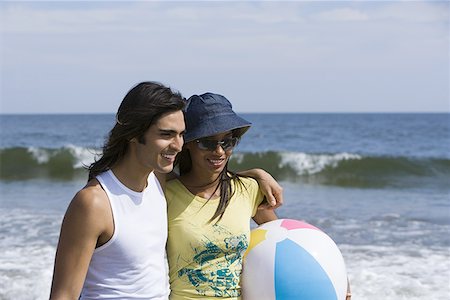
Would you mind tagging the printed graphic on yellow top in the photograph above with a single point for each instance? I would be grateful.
(213, 272)
(205, 258)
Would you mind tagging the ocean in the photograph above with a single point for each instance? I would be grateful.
(377, 184)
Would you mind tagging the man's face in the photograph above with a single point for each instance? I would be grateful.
(162, 141)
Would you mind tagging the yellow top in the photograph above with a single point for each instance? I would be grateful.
(205, 259)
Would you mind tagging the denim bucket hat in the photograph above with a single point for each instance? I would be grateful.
(210, 114)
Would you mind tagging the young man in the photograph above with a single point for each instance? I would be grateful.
(113, 237)
(114, 233)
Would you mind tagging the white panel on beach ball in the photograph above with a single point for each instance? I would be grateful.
(293, 260)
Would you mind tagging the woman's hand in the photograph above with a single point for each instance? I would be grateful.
(349, 292)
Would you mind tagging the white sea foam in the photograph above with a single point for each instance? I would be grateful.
(27, 254)
(84, 156)
(386, 272)
(42, 156)
(306, 164)
(26, 272)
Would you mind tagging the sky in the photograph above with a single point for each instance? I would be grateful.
(264, 56)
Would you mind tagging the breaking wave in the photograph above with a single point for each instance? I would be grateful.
(340, 169)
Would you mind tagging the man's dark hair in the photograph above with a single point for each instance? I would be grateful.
(142, 106)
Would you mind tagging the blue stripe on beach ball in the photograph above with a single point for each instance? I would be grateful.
(298, 276)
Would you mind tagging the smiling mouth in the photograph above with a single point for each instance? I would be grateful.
(216, 162)
(169, 157)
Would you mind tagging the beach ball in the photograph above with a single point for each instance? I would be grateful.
(292, 260)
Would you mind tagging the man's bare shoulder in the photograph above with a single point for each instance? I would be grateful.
(89, 213)
(91, 198)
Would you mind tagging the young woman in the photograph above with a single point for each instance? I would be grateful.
(209, 206)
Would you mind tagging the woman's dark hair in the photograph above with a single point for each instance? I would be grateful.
(225, 178)
(142, 106)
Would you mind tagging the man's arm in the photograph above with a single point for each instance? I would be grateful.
(87, 221)
(268, 186)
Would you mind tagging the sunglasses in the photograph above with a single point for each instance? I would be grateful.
(211, 145)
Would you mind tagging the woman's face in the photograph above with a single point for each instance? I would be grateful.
(210, 155)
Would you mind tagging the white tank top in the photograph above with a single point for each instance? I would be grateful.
(132, 264)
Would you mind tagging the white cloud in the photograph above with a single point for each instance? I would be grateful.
(142, 16)
(342, 15)
(406, 11)
(414, 12)
(19, 18)
(137, 16)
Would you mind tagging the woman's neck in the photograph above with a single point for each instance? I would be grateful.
(205, 187)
